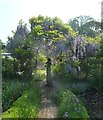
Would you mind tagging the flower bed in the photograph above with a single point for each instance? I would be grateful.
(71, 107)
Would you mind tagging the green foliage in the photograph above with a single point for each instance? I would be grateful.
(37, 31)
(95, 79)
(41, 60)
(21, 49)
(50, 37)
(85, 25)
(59, 70)
(27, 106)
(7, 67)
(71, 107)
(40, 75)
(11, 90)
(95, 40)
(2, 47)
(78, 87)
(92, 65)
(57, 96)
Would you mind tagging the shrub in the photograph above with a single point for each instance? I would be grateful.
(95, 79)
(27, 106)
(78, 87)
(61, 72)
(71, 107)
(40, 75)
(12, 89)
(7, 67)
(57, 97)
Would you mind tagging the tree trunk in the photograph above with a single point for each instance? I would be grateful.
(48, 70)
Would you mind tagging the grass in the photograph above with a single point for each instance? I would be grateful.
(27, 106)
(71, 107)
(11, 90)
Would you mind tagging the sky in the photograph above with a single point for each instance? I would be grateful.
(11, 11)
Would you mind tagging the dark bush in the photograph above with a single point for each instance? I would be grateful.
(7, 67)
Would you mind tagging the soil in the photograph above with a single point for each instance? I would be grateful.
(93, 100)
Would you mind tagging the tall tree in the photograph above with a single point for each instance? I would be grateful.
(48, 34)
(20, 48)
(85, 25)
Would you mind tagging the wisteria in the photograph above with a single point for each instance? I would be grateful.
(66, 115)
(52, 51)
(73, 50)
(19, 37)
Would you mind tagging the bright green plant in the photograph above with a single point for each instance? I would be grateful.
(40, 75)
(27, 106)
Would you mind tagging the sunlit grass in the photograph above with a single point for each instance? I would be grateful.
(27, 106)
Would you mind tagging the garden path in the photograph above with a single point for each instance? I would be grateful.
(48, 108)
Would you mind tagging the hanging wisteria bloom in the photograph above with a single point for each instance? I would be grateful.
(68, 67)
(74, 58)
(90, 49)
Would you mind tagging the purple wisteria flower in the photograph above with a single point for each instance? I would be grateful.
(66, 115)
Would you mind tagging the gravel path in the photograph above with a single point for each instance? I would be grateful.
(48, 108)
